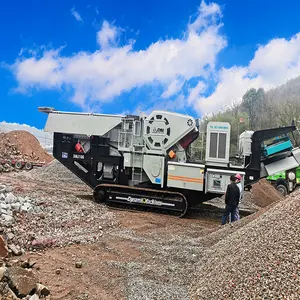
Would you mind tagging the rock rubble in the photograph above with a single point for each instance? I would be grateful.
(51, 217)
(10, 205)
(17, 281)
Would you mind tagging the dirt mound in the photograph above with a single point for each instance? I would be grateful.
(22, 145)
(264, 193)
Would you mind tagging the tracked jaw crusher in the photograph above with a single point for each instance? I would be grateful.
(143, 161)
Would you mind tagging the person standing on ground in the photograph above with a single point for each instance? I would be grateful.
(239, 185)
(232, 198)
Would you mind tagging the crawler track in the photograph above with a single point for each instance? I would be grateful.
(173, 203)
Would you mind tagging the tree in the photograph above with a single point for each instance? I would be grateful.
(253, 104)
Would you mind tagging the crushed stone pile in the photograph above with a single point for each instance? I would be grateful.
(260, 260)
(51, 217)
(22, 145)
(54, 171)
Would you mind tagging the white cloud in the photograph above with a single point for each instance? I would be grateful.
(273, 64)
(106, 37)
(106, 73)
(207, 14)
(195, 92)
(76, 15)
(173, 88)
(277, 60)
(42, 70)
(233, 83)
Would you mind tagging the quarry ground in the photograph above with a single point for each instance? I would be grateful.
(101, 252)
(135, 252)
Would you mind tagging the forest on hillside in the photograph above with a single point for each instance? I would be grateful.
(259, 110)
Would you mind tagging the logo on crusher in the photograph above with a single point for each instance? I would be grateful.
(158, 130)
(190, 122)
(143, 200)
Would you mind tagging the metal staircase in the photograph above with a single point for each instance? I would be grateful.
(137, 166)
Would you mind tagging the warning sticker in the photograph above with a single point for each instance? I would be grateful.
(64, 155)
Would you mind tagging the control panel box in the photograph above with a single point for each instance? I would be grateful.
(217, 180)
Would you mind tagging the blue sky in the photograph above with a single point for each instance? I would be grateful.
(129, 56)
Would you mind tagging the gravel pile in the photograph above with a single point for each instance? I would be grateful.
(51, 216)
(257, 257)
(62, 220)
(54, 171)
(169, 267)
(264, 193)
(260, 260)
(65, 221)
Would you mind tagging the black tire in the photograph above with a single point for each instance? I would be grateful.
(28, 166)
(282, 189)
(99, 196)
(18, 165)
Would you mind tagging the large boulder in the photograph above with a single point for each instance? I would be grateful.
(22, 280)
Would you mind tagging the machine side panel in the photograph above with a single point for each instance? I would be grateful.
(296, 154)
(81, 124)
(282, 165)
(154, 168)
(186, 176)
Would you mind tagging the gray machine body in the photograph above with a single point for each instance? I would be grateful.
(147, 141)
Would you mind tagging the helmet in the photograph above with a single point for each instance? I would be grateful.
(238, 176)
